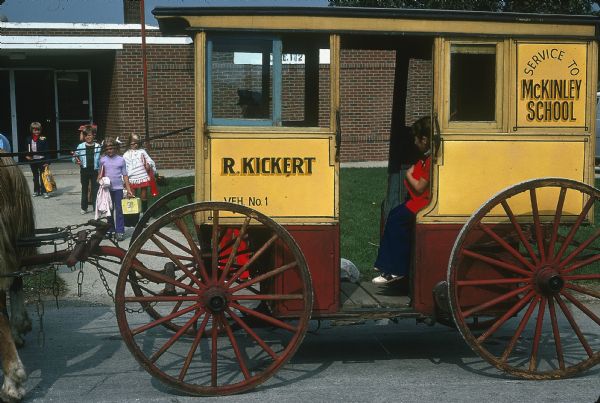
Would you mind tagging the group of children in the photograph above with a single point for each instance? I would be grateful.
(102, 164)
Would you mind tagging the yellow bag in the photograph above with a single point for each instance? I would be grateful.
(131, 206)
(48, 179)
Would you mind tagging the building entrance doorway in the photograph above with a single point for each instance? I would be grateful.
(34, 95)
(59, 99)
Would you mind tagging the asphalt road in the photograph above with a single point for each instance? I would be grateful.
(84, 359)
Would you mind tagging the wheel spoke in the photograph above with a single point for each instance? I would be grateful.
(497, 263)
(575, 227)
(236, 349)
(582, 307)
(254, 257)
(537, 335)
(267, 297)
(157, 322)
(162, 298)
(512, 311)
(190, 355)
(467, 283)
(161, 278)
(196, 253)
(178, 304)
(264, 276)
(269, 319)
(580, 248)
(506, 246)
(583, 263)
(557, 217)
(517, 227)
(496, 301)
(583, 290)
(157, 253)
(234, 250)
(175, 337)
(583, 277)
(215, 245)
(574, 325)
(213, 352)
(556, 334)
(520, 328)
(174, 242)
(252, 334)
(180, 265)
(538, 226)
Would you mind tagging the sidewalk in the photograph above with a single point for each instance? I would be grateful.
(62, 209)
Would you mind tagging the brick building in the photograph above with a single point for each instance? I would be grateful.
(67, 74)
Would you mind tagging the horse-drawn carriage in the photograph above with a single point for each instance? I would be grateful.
(215, 296)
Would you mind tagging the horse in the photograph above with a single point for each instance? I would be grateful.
(16, 220)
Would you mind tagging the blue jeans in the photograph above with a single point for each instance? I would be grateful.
(118, 221)
(394, 254)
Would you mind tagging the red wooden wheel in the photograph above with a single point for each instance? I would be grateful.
(163, 205)
(233, 324)
(537, 273)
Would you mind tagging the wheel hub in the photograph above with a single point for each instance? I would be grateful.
(215, 300)
(549, 281)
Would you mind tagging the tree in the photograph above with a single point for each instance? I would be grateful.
(522, 6)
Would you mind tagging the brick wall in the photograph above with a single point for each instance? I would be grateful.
(170, 100)
(367, 88)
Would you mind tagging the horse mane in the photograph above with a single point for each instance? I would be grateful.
(16, 217)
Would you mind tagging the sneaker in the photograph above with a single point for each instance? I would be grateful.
(83, 212)
(385, 279)
(35, 194)
(46, 196)
(120, 237)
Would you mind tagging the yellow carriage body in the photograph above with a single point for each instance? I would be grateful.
(534, 119)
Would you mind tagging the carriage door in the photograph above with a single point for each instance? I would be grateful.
(269, 141)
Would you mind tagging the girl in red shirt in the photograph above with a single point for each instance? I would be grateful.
(393, 257)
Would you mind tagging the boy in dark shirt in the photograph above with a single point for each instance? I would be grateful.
(87, 156)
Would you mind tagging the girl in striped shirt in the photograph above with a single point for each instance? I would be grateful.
(138, 164)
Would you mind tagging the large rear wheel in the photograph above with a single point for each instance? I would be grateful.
(527, 264)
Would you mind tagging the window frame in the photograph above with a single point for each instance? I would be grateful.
(276, 79)
(502, 72)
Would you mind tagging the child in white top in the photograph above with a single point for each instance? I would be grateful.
(138, 164)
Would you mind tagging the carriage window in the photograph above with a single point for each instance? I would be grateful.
(268, 81)
(240, 81)
(472, 82)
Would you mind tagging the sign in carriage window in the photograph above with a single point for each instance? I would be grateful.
(268, 81)
(551, 84)
(472, 82)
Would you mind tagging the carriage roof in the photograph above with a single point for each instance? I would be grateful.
(184, 20)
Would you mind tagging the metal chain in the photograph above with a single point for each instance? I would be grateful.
(80, 279)
(112, 295)
(105, 282)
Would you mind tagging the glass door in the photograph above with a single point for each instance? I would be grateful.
(74, 105)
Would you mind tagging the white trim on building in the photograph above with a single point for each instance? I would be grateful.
(84, 42)
(72, 25)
